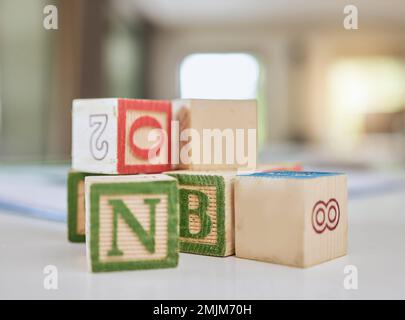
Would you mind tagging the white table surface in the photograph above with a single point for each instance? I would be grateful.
(376, 248)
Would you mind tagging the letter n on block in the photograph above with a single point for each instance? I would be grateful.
(132, 222)
(206, 212)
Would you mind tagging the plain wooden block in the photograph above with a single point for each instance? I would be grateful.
(200, 115)
(112, 136)
(292, 218)
(206, 212)
(131, 222)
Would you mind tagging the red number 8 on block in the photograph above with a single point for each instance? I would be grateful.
(325, 215)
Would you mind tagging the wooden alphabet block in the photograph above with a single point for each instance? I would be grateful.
(292, 218)
(215, 134)
(131, 222)
(206, 212)
(112, 136)
(76, 210)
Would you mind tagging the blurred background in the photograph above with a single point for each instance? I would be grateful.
(326, 94)
(329, 97)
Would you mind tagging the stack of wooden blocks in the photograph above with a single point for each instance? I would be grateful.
(137, 203)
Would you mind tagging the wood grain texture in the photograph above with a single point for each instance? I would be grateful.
(81, 212)
(201, 115)
(76, 206)
(127, 238)
(128, 241)
(217, 186)
(140, 137)
(195, 221)
(102, 136)
(273, 219)
(130, 112)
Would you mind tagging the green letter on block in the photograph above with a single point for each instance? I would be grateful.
(147, 239)
(201, 211)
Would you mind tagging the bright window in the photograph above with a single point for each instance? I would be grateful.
(219, 76)
(365, 85)
(358, 86)
(224, 76)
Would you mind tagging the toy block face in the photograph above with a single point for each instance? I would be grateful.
(76, 206)
(76, 210)
(206, 213)
(216, 126)
(292, 218)
(132, 222)
(121, 136)
(94, 135)
(135, 120)
(326, 219)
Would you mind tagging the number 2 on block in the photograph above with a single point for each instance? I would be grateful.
(98, 147)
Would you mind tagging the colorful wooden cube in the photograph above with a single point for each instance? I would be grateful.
(215, 134)
(292, 218)
(206, 212)
(131, 222)
(76, 209)
(121, 136)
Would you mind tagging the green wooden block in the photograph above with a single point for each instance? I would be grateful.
(206, 212)
(76, 209)
(132, 222)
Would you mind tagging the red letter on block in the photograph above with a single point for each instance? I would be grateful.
(135, 120)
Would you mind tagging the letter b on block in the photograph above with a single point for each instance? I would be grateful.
(200, 199)
(206, 212)
(132, 222)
